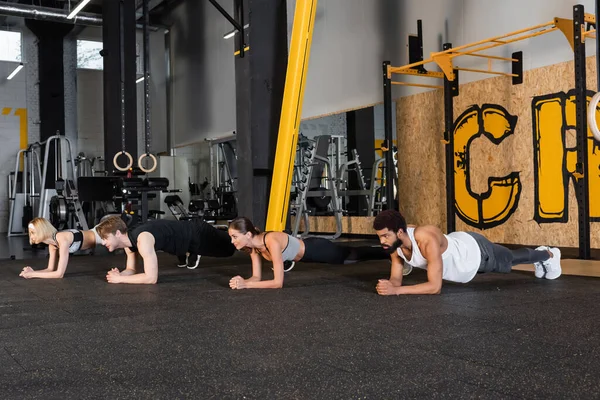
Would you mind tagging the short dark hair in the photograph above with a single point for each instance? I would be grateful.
(244, 225)
(390, 219)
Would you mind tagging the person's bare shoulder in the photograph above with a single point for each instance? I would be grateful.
(424, 232)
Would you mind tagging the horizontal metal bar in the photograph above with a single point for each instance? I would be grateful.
(56, 15)
(589, 18)
(485, 71)
(591, 33)
(417, 85)
(365, 192)
(480, 46)
(492, 57)
(547, 24)
(404, 67)
(48, 14)
(432, 74)
(491, 46)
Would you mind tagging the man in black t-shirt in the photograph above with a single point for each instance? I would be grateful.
(175, 237)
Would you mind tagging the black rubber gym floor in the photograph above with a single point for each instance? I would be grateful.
(326, 335)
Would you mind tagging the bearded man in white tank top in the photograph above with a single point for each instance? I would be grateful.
(456, 257)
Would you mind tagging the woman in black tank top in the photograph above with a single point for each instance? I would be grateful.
(59, 246)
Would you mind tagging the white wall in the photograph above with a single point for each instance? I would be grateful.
(203, 73)
(351, 38)
(13, 96)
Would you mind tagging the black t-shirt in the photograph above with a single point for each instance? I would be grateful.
(180, 237)
(170, 236)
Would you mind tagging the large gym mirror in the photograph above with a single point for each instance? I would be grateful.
(339, 168)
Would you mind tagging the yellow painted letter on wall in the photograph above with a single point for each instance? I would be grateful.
(554, 163)
(499, 202)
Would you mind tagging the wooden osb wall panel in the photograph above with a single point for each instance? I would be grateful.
(421, 169)
(350, 225)
(421, 162)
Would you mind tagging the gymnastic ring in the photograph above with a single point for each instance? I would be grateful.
(591, 116)
(140, 162)
(128, 165)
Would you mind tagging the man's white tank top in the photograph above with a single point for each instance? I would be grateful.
(460, 260)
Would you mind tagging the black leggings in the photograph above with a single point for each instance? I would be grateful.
(496, 258)
(320, 250)
(210, 241)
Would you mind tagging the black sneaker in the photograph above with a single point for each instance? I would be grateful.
(182, 261)
(193, 261)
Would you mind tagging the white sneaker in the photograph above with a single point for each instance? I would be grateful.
(540, 271)
(193, 261)
(288, 265)
(183, 263)
(552, 265)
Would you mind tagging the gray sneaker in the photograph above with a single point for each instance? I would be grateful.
(540, 271)
(552, 265)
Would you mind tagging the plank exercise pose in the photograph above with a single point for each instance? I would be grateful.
(455, 257)
(279, 247)
(194, 237)
(60, 245)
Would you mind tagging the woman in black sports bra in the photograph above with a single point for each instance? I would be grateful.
(60, 245)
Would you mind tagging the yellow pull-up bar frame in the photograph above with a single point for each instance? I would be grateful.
(444, 59)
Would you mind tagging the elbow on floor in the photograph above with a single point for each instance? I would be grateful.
(437, 290)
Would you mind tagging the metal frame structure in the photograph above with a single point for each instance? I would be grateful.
(217, 156)
(31, 178)
(388, 143)
(575, 32)
(582, 187)
(239, 26)
(58, 148)
(450, 91)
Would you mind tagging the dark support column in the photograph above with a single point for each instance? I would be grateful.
(582, 170)
(119, 52)
(51, 81)
(450, 90)
(361, 137)
(390, 170)
(260, 79)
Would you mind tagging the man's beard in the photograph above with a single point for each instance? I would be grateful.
(393, 247)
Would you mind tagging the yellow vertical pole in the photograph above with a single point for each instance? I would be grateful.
(291, 112)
